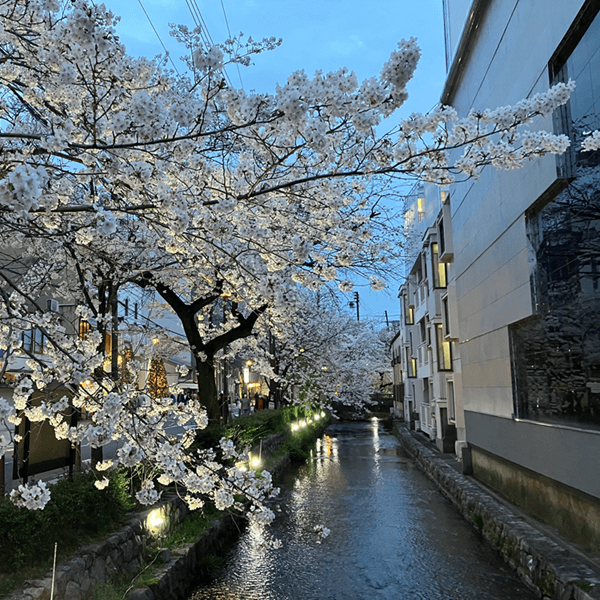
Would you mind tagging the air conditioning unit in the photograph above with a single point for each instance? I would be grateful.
(52, 305)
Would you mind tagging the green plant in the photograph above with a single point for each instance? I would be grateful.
(478, 520)
(110, 591)
(584, 585)
(191, 528)
(207, 564)
(76, 513)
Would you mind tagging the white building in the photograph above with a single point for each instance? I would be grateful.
(526, 264)
(426, 361)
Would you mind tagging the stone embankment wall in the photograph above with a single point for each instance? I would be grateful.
(123, 550)
(177, 576)
(550, 570)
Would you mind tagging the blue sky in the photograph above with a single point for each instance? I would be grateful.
(317, 34)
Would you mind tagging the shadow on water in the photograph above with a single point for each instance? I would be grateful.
(393, 535)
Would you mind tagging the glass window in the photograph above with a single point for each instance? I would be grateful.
(438, 268)
(84, 329)
(581, 114)
(411, 364)
(451, 402)
(444, 350)
(554, 353)
(446, 315)
(409, 312)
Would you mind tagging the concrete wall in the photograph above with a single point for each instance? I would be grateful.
(549, 471)
(562, 454)
(488, 222)
(575, 515)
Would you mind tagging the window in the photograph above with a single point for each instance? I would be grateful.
(446, 316)
(578, 58)
(33, 341)
(409, 312)
(442, 236)
(554, 353)
(411, 364)
(444, 350)
(451, 402)
(421, 208)
(438, 269)
(84, 329)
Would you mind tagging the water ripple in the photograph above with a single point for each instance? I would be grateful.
(393, 535)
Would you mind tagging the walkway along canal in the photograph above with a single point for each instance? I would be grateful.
(393, 535)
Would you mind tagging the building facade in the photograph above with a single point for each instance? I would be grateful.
(426, 356)
(525, 264)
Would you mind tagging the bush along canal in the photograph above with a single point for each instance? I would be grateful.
(392, 534)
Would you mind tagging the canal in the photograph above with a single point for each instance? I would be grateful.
(393, 535)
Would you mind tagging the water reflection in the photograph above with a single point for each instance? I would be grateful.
(392, 534)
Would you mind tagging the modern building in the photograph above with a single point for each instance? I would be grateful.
(426, 360)
(525, 266)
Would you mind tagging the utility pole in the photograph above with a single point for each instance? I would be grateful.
(387, 321)
(356, 299)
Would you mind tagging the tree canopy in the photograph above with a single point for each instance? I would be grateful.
(118, 172)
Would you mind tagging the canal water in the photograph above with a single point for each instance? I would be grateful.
(392, 534)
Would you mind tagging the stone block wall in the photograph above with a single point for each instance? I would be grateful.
(549, 569)
(93, 564)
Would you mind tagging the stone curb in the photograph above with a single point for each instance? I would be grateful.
(549, 569)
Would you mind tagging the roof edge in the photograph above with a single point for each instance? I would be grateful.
(467, 41)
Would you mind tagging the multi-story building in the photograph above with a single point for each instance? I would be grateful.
(426, 357)
(525, 265)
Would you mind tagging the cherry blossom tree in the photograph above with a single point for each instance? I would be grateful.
(322, 356)
(116, 172)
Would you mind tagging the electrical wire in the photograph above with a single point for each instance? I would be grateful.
(204, 32)
(158, 36)
(237, 66)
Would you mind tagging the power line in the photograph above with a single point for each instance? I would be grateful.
(237, 66)
(158, 36)
(204, 33)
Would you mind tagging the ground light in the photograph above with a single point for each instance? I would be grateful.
(254, 461)
(155, 522)
(306, 421)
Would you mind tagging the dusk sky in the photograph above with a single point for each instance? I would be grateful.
(317, 34)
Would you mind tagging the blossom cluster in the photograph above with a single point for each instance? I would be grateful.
(119, 174)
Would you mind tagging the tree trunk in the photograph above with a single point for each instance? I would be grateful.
(207, 390)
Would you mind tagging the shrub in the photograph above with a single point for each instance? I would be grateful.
(75, 512)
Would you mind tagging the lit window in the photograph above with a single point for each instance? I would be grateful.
(444, 350)
(421, 208)
(84, 329)
(439, 269)
(409, 312)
